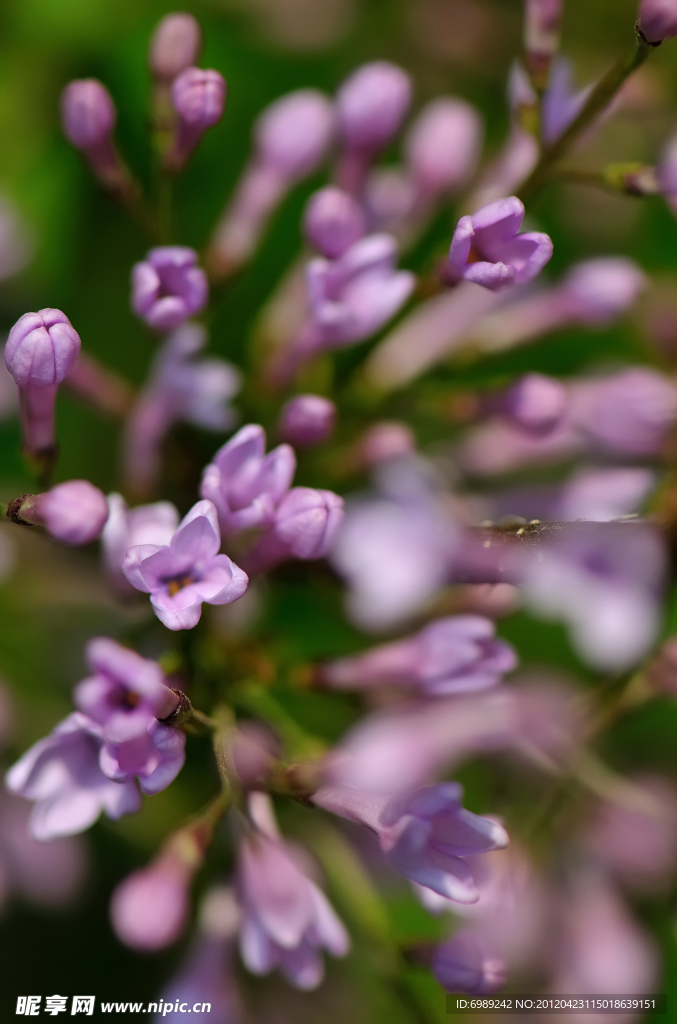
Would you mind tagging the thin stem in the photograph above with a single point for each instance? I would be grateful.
(598, 100)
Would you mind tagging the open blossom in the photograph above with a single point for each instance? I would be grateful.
(125, 691)
(244, 483)
(155, 757)
(127, 527)
(426, 835)
(168, 287)
(62, 775)
(453, 655)
(287, 919)
(488, 249)
(464, 963)
(189, 570)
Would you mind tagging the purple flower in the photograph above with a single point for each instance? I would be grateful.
(74, 512)
(306, 524)
(442, 147)
(600, 495)
(62, 775)
(287, 918)
(333, 222)
(174, 46)
(88, 113)
(156, 756)
(453, 655)
(149, 909)
(188, 571)
(198, 97)
(244, 483)
(657, 20)
(307, 420)
(205, 976)
(561, 102)
(425, 835)
(372, 104)
(536, 403)
(465, 964)
(168, 287)
(124, 693)
(125, 528)
(488, 250)
(627, 413)
(41, 349)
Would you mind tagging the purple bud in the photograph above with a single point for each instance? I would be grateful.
(387, 440)
(87, 113)
(307, 420)
(293, 134)
(174, 45)
(42, 348)
(74, 512)
(537, 403)
(168, 287)
(464, 964)
(443, 145)
(307, 521)
(150, 907)
(600, 289)
(333, 222)
(657, 20)
(372, 104)
(199, 98)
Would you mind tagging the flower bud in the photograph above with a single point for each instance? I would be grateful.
(41, 348)
(541, 33)
(386, 440)
(199, 97)
(293, 134)
(150, 907)
(600, 289)
(333, 222)
(307, 521)
(74, 512)
(175, 45)
(536, 403)
(443, 145)
(307, 420)
(657, 20)
(463, 964)
(87, 113)
(372, 104)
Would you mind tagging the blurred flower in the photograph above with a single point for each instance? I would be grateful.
(536, 403)
(305, 526)
(386, 440)
(488, 250)
(627, 413)
(425, 835)
(541, 32)
(168, 287)
(253, 748)
(561, 102)
(149, 909)
(600, 495)
(174, 46)
(291, 139)
(198, 97)
(453, 655)
(88, 114)
(333, 222)
(657, 20)
(125, 528)
(442, 147)
(307, 420)
(287, 918)
(181, 575)
(62, 775)
(125, 693)
(180, 387)
(244, 483)
(74, 512)
(604, 580)
(465, 964)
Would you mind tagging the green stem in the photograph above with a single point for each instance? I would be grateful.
(260, 702)
(598, 100)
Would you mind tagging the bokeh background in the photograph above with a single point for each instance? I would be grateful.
(83, 247)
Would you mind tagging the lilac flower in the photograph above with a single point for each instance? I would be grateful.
(88, 114)
(453, 655)
(41, 349)
(307, 420)
(305, 526)
(627, 413)
(657, 20)
(125, 692)
(174, 46)
(244, 483)
(442, 148)
(561, 102)
(333, 222)
(465, 964)
(180, 387)
(291, 139)
(155, 757)
(62, 775)
(149, 909)
(604, 580)
(600, 495)
(188, 571)
(74, 512)
(502, 256)
(426, 835)
(386, 440)
(168, 287)
(198, 97)
(536, 403)
(287, 918)
(125, 528)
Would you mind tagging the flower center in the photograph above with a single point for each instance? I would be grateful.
(178, 583)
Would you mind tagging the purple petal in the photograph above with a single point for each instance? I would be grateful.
(198, 536)
(145, 287)
(493, 276)
(459, 251)
(186, 618)
(145, 564)
(249, 442)
(497, 223)
(72, 811)
(171, 744)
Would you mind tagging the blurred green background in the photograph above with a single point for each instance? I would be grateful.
(84, 247)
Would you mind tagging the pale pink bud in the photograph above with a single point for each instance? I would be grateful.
(87, 113)
(150, 907)
(174, 46)
(333, 222)
(307, 420)
(443, 145)
(293, 134)
(657, 20)
(372, 104)
(74, 512)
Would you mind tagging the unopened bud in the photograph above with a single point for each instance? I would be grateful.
(294, 133)
(87, 113)
(333, 222)
(536, 403)
(307, 420)
(41, 348)
(372, 104)
(149, 908)
(541, 36)
(198, 97)
(175, 45)
(74, 512)
(443, 145)
(657, 20)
